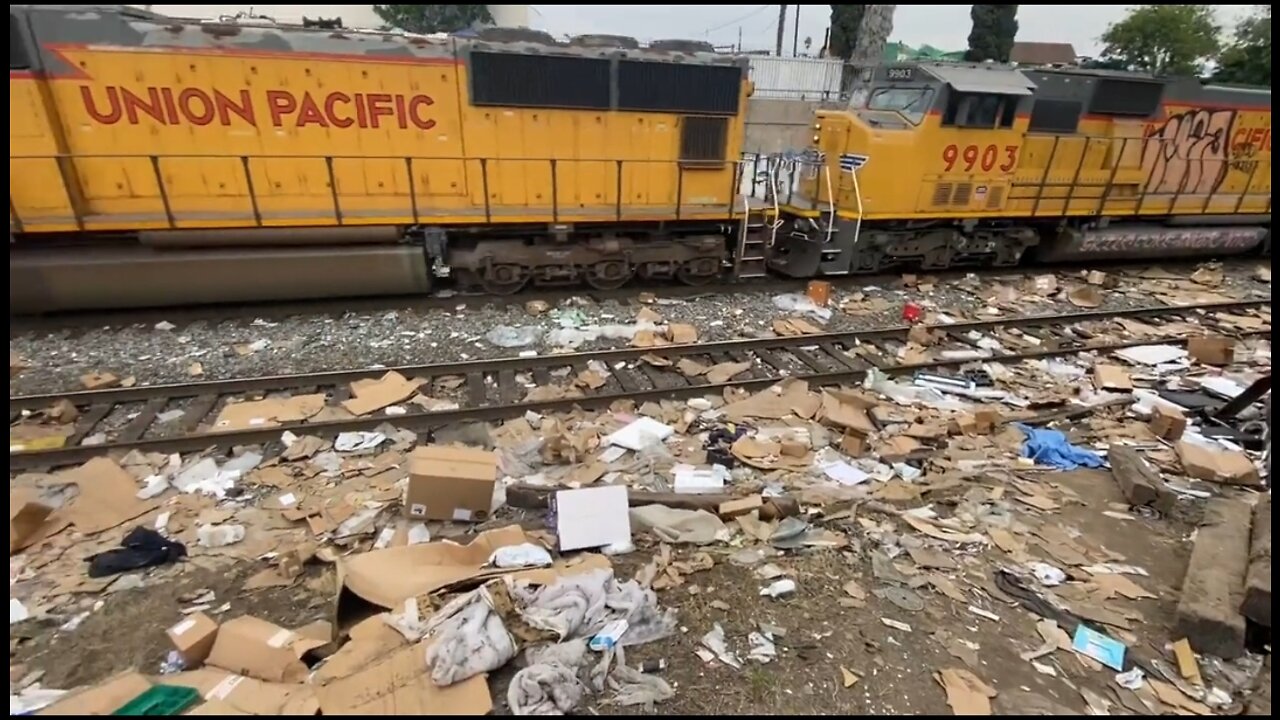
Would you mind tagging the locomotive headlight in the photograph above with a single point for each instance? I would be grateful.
(815, 138)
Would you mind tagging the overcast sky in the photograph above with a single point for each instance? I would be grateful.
(943, 26)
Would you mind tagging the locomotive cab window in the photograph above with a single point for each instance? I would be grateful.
(910, 102)
(980, 110)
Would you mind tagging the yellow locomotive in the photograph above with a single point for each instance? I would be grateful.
(158, 161)
(939, 164)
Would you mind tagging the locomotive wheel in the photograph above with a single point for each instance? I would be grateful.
(609, 275)
(504, 279)
(697, 272)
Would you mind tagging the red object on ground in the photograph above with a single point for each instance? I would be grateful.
(911, 313)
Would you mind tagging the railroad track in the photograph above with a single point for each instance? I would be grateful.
(447, 299)
(495, 389)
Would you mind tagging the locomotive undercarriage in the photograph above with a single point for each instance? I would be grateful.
(606, 261)
(804, 248)
(807, 247)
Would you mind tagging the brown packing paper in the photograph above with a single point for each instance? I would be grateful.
(388, 577)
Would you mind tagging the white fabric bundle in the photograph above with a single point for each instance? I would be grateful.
(471, 641)
(544, 690)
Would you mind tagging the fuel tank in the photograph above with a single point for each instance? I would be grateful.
(48, 280)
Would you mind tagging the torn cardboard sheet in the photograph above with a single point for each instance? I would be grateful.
(789, 397)
(399, 684)
(269, 412)
(108, 497)
(372, 395)
(246, 695)
(388, 577)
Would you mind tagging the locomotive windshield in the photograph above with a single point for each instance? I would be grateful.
(911, 102)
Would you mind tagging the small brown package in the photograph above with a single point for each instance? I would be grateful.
(450, 483)
(193, 638)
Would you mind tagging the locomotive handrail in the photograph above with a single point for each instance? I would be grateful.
(341, 214)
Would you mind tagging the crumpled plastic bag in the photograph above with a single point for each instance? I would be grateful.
(508, 336)
(1050, 447)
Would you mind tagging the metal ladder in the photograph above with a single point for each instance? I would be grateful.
(749, 260)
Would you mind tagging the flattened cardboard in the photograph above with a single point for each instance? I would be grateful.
(269, 412)
(259, 649)
(400, 685)
(193, 638)
(1111, 377)
(108, 496)
(450, 483)
(1211, 350)
(246, 695)
(102, 699)
(388, 577)
(372, 395)
(1229, 467)
(26, 519)
(592, 517)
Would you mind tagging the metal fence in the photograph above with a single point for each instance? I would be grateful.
(787, 78)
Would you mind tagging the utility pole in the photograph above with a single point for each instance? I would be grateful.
(795, 38)
(782, 27)
(739, 38)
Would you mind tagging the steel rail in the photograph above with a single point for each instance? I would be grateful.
(337, 377)
(847, 369)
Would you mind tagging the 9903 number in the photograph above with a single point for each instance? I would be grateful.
(973, 156)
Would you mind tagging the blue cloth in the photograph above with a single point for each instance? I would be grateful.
(1050, 447)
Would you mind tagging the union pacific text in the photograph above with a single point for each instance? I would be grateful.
(279, 108)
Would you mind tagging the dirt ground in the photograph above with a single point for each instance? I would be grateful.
(896, 669)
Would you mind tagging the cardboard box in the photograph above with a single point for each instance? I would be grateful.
(1204, 462)
(259, 649)
(1212, 350)
(450, 483)
(193, 638)
(1167, 422)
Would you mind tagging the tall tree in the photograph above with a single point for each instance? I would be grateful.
(994, 28)
(845, 21)
(873, 35)
(1248, 58)
(427, 19)
(1164, 39)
